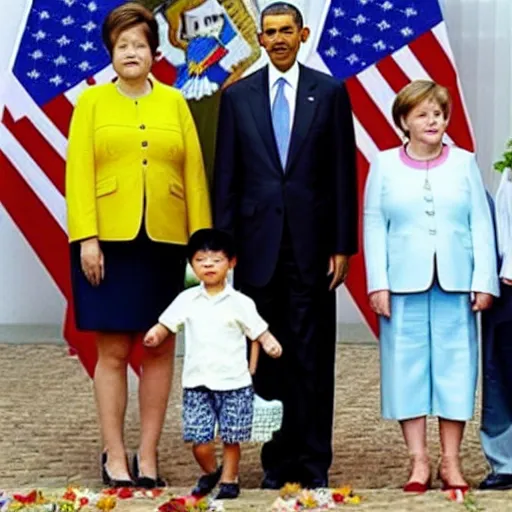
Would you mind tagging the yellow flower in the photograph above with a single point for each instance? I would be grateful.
(308, 500)
(106, 503)
(290, 490)
(346, 491)
(353, 500)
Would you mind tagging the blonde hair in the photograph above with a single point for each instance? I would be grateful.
(415, 93)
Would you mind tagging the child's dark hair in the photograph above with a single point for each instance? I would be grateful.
(211, 240)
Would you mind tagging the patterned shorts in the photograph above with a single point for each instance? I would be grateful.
(203, 409)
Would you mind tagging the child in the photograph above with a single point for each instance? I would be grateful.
(217, 386)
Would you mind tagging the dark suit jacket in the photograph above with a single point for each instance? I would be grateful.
(317, 192)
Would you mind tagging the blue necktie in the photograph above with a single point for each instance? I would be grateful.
(281, 121)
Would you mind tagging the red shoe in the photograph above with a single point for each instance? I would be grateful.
(418, 487)
(446, 486)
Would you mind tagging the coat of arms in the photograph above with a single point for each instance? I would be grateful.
(208, 43)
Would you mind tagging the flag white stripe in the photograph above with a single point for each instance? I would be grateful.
(20, 104)
(441, 35)
(103, 76)
(364, 142)
(36, 179)
(380, 92)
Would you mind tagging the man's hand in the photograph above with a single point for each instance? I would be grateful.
(156, 336)
(380, 303)
(92, 261)
(338, 268)
(482, 301)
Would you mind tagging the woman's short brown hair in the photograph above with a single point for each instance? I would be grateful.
(127, 16)
(415, 93)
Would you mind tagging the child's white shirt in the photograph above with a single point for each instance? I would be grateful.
(215, 328)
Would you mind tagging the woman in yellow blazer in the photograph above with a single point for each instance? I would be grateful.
(135, 189)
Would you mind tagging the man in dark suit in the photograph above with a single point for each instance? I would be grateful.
(285, 186)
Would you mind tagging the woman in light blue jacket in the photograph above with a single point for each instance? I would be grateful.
(431, 266)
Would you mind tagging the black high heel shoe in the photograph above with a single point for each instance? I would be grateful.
(107, 479)
(145, 482)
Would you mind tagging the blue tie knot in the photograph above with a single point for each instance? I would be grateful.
(281, 82)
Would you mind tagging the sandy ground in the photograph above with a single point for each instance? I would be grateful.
(49, 435)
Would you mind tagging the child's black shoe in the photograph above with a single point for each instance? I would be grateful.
(207, 483)
(228, 491)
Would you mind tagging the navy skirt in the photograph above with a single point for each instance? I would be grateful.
(142, 278)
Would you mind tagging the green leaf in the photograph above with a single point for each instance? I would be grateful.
(506, 162)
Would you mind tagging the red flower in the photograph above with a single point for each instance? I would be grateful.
(174, 505)
(26, 499)
(69, 495)
(124, 493)
(338, 498)
(110, 492)
(84, 501)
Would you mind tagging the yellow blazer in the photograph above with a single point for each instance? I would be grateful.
(132, 159)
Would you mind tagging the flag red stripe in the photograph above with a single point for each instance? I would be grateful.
(370, 116)
(41, 151)
(164, 71)
(47, 240)
(60, 110)
(356, 280)
(437, 64)
(392, 73)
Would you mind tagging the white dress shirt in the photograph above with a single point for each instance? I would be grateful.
(290, 89)
(216, 328)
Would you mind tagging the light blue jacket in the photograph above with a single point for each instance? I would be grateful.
(404, 245)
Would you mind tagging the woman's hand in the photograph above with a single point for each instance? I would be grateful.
(482, 301)
(506, 281)
(380, 303)
(91, 258)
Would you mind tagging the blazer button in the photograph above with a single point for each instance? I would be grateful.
(142, 126)
(279, 211)
(144, 143)
(144, 162)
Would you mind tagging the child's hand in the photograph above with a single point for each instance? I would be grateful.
(156, 336)
(270, 345)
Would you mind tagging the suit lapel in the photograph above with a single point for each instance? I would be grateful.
(260, 106)
(305, 109)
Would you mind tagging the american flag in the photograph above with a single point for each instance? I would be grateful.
(377, 46)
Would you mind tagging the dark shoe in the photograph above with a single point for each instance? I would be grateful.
(316, 483)
(145, 482)
(107, 479)
(271, 481)
(228, 491)
(207, 483)
(496, 482)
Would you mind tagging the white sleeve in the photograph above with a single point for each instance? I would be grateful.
(252, 323)
(174, 316)
(503, 207)
(375, 232)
